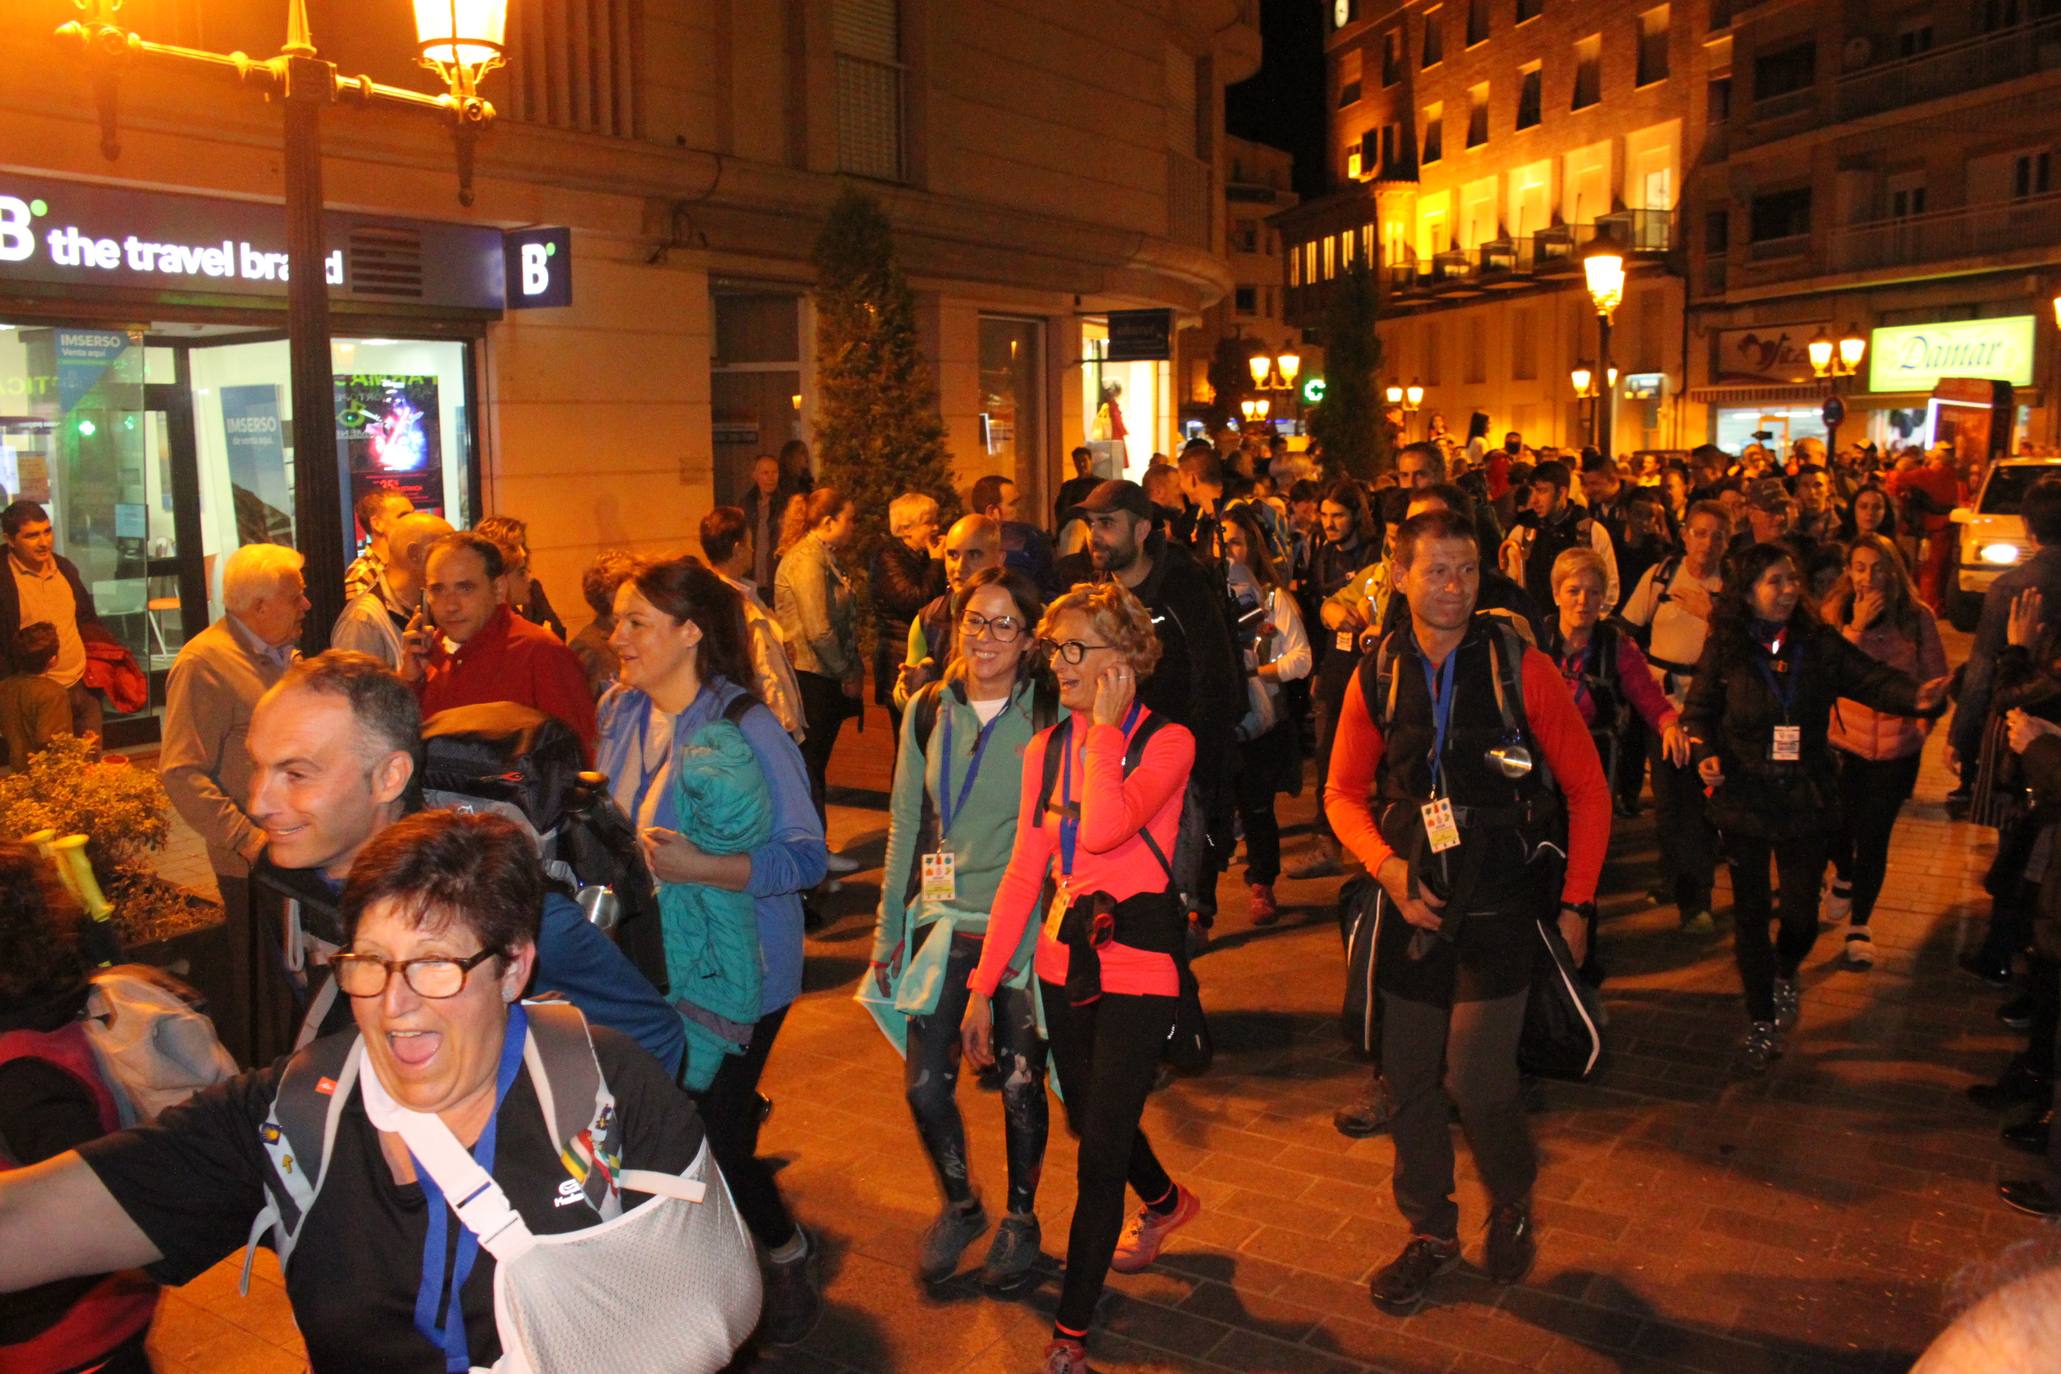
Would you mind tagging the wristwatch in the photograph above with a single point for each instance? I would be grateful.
(1585, 910)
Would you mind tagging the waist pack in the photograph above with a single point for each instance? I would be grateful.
(582, 1300)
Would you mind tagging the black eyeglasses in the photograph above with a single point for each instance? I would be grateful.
(367, 975)
(1072, 650)
(1003, 629)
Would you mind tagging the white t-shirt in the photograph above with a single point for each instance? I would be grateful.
(988, 710)
(1677, 636)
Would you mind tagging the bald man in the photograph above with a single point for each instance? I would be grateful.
(377, 617)
(974, 542)
(2015, 1330)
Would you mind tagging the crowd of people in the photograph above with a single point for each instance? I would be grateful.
(1484, 652)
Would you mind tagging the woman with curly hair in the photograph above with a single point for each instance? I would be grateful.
(1099, 808)
(52, 1099)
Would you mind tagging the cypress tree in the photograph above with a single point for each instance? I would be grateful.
(1348, 422)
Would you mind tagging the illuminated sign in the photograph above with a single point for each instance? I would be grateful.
(1313, 391)
(1644, 386)
(539, 268)
(69, 234)
(1913, 357)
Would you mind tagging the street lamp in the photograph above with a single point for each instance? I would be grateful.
(1603, 264)
(461, 41)
(1834, 363)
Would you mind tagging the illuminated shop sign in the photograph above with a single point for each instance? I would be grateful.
(1913, 357)
(61, 233)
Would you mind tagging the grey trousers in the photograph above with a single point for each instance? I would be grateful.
(1467, 1055)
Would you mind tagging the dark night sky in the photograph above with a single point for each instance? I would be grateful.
(1283, 104)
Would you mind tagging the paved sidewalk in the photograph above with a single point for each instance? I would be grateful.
(1814, 1220)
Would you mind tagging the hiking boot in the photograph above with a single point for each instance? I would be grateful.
(1698, 922)
(1763, 1046)
(2017, 1083)
(1146, 1232)
(1368, 1114)
(1065, 1357)
(1511, 1245)
(1012, 1255)
(1788, 1001)
(1399, 1286)
(947, 1239)
(1323, 862)
(1996, 974)
(1860, 948)
(1264, 911)
(793, 1305)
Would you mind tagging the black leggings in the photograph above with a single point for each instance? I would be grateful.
(1107, 1054)
(1871, 792)
(1801, 861)
(1260, 767)
(930, 1079)
(729, 1114)
(825, 706)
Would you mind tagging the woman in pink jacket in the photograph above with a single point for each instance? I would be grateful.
(1876, 606)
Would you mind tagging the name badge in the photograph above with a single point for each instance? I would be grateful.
(940, 876)
(1439, 825)
(1346, 643)
(1788, 744)
(1055, 913)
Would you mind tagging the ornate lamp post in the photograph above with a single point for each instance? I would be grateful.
(459, 40)
(1834, 363)
(1603, 264)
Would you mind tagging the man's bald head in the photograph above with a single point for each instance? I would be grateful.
(2017, 1327)
(974, 542)
(409, 542)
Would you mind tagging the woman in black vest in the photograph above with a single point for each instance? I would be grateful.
(1757, 716)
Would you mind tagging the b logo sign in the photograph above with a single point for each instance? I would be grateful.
(17, 239)
(539, 268)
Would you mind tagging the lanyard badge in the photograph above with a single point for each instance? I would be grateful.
(1440, 826)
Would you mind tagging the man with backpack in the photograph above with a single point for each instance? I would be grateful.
(333, 749)
(1442, 777)
(1551, 526)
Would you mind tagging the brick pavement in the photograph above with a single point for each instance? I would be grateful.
(1688, 1220)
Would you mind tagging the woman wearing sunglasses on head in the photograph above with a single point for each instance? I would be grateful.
(1100, 805)
(952, 826)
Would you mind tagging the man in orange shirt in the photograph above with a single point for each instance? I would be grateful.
(1433, 786)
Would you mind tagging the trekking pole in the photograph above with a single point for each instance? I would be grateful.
(102, 945)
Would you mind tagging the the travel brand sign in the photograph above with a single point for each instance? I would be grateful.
(1914, 357)
(73, 234)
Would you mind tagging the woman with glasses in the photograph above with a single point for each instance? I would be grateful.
(680, 640)
(440, 917)
(950, 833)
(1276, 651)
(1099, 808)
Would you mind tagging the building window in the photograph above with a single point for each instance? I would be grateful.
(1524, 344)
(1477, 115)
(1530, 87)
(1477, 22)
(1717, 104)
(1330, 257)
(1783, 70)
(1717, 232)
(866, 37)
(1348, 77)
(1913, 37)
(1391, 57)
(1434, 45)
(1355, 164)
(1907, 196)
(1588, 71)
(2031, 175)
(1653, 46)
(1781, 215)
(1999, 14)
(1529, 9)
(1295, 269)
(1245, 300)
(1434, 133)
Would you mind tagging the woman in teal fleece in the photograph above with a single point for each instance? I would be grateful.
(957, 788)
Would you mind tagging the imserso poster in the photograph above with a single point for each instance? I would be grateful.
(389, 435)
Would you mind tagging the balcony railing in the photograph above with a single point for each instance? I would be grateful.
(1773, 250)
(1973, 65)
(1980, 231)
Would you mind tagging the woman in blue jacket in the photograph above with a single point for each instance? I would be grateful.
(680, 636)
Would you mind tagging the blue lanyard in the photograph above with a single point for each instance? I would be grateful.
(1571, 666)
(433, 1292)
(946, 806)
(1440, 684)
(1784, 685)
(1069, 819)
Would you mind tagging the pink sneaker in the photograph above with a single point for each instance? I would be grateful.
(1264, 911)
(1146, 1232)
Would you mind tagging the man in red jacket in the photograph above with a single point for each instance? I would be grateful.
(472, 649)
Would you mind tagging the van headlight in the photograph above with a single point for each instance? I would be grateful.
(2000, 553)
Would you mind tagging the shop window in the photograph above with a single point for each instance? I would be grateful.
(1784, 70)
(1653, 26)
(1530, 94)
(1477, 115)
(1588, 71)
(754, 378)
(1434, 42)
(1477, 22)
(1348, 77)
(1434, 133)
(1011, 398)
(1529, 9)
(1391, 57)
(1780, 215)
(2031, 175)
(866, 38)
